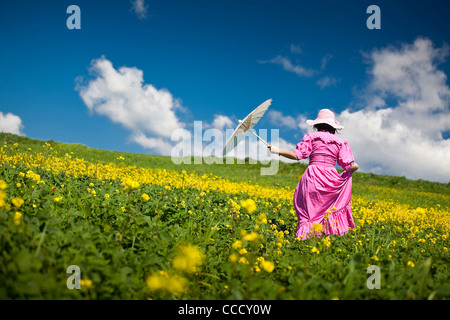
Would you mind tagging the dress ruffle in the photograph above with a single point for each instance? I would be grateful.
(339, 222)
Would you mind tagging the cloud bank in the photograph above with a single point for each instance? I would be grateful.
(407, 110)
(402, 120)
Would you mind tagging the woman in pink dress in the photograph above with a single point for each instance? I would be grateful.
(322, 197)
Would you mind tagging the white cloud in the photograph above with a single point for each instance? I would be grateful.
(325, 60)
(295, 48)
(327, 81)
(287, 65)
(139, 7)
(302, 71)
(282, 121)
(11, 123)
(160, 145)
(122, 96)
(221, 122)
(403, 137)
(277, 118)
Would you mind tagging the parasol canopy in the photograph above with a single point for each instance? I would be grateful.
(247, 125)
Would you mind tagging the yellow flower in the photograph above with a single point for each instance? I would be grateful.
(123, 209)
(131, 183)
(145, 197)
(188, 258)
(17, 202)
(154, 282)
(86, 283)
(176, 285)
(233, 258)
(17, 217)
(237, 244)
(316, 227)
(57, 199)
(106, 196)
(327, 242)
(243, 260)
(410, 264)
(3, 185)
(243, 251)
(267, 265)
(252, 236)
(167, 188)
(249, 205)
(420, 210)
(262, 218)
(315, 250)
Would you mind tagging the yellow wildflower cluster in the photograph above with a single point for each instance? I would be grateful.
(249, 205)
(163, 282)
(3, 186)
(17, 202)
(133, 176)
(265, 264)
(133, 184)
(188, 258)
(33, 176)
(17, 218)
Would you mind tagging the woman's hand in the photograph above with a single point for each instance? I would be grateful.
(273, 150)
(354, 167)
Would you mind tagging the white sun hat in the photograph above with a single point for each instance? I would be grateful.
(325, 116)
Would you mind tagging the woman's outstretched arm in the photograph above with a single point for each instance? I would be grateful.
(284, 153)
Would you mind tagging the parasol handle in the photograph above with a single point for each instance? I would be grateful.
(259, 137)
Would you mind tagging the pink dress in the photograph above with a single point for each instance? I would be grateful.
(323, 195)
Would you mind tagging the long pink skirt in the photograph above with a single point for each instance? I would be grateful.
(323, 197)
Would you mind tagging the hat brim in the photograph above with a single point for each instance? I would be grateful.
(334, 124)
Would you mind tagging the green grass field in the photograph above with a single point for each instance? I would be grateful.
(140, 227)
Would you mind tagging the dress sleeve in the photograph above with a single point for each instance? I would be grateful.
(304, 148)
(345, 157)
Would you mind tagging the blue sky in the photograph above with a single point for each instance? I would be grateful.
(224, 58)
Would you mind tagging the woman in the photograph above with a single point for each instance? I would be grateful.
(322, 197)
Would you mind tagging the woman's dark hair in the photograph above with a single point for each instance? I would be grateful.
(325, 127)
